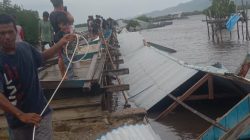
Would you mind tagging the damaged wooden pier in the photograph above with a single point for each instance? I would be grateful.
(86, 107)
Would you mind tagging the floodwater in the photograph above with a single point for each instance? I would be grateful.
(190, 38)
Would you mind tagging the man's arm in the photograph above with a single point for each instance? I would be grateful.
(32, 118)
(56, 47)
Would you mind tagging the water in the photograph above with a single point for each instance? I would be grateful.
(189, 37)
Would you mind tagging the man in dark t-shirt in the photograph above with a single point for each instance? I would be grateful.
(21, 96)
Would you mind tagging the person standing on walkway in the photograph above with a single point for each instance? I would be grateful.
(45, 31)
(58, 8)
(21, 95)
(59, 13)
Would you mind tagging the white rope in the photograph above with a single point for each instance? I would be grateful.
(82, 58)
(70, 61)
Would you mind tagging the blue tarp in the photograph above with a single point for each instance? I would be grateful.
(232, 21)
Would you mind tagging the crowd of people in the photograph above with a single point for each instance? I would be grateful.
(99, 24)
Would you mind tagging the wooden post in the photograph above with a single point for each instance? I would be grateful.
(243, 19)
(242, 30)
(210, 87)
(208, 29)
(221, 34)
(238, 33)
(246, 18)
(212, 31)
(183, 97)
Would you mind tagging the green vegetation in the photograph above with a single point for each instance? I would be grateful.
(144, 18)
(221, 9)
(28, 19)
(133, 24)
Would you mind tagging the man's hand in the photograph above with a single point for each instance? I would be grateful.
(31, 118)
(67, 38)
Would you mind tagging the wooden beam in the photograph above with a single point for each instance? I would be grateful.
(240, 128)
(213, 122)
(210, 87)
(116, 88)
(206, 96)
(65, 84)
(162, 48)
(183, 97)
(117, 72)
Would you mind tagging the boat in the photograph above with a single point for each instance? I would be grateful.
(236, 121)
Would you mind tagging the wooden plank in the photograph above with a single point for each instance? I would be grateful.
(69, 114)
(65, 84)
(100, 67)
(77, 113)
(43, 75)
(183, 97)
(73, 103)
(116, 88)
(129, 112)
(76, 102)
(162, 48)
(217, 96)
(92, 67)
(118, 72)
(210, 87)
(236, 132)
(91, 72)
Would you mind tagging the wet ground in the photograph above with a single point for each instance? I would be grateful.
(189, 37)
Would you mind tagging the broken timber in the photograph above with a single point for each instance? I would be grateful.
(187, 94)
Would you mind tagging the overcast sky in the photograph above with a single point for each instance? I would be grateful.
(80, 9)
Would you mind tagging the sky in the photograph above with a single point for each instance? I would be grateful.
(116, 9)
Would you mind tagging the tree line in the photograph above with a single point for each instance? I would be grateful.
(28, 19)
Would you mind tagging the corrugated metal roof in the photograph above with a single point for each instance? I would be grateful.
(153, 75)
(133, 132)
